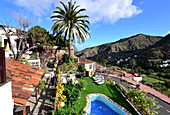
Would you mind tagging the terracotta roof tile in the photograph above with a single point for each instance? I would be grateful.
(85, 61)
(24, 78)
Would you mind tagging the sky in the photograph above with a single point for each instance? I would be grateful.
(110, 20)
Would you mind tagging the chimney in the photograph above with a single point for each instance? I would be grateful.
(2, 65)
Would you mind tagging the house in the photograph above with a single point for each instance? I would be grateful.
(134, 77)
(156, 60)
(61, 52)
(34, 62)
(89, 65)
(137, 78)
(166, 61)
(24, 80)
(164, 65)
(4, 40)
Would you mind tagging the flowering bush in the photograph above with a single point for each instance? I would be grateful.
(144, 104)
(70, 93)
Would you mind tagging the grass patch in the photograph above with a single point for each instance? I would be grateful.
(156, 84)
(152, 80)
(106, 89)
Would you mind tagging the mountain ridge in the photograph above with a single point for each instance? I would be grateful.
(129, 45)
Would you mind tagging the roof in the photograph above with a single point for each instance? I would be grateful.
(85, 61)
(24, 79)
(59, 55)
(98, 66)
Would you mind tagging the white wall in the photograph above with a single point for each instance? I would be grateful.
(138, 79)
(35, 62)
(6, 101)
(12, 38)
(93, 68)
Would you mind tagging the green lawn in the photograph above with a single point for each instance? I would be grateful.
(105, 89)
(152, 80)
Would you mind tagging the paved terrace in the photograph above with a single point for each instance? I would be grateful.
(45, 102)
(144, 87)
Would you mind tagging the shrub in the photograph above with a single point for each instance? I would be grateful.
(50, 64)
(24, 61)
(81, 68)
(71, 72)
(94, 75)
(160, 75)
(167, 84)
(111, 82)
(72, 59)
(167, 75)
(83, 84)
(0, 44)
(42, 83)
(149, 72)
(65, 58)
(72, 92)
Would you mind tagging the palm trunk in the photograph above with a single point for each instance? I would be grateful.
(69, 45)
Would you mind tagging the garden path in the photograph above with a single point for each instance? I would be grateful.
(46, 98)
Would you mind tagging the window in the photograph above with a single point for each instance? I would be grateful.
(90, 67)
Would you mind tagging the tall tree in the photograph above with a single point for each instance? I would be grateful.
(68, 21)
(45, 42)
(133, 63)
(104, 61)
(21, 34)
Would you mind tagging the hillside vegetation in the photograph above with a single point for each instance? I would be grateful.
(137, 44)
(160, 50)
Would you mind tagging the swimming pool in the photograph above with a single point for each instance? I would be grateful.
(100, 108)
(102, 105)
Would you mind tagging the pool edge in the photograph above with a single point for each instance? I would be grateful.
(88, 104)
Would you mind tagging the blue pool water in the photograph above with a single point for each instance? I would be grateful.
(99, 108)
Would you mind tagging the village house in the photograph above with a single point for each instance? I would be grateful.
(5, 44)
(89, 65)
(61, 52)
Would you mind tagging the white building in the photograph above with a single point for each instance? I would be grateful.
(89, 65)
(138, 78)
(164, 65)
(34, 62)
(6, 101)
(4, 40)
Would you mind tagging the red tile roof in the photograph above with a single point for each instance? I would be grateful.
(24, 78)
(85, 61)
(59, 55)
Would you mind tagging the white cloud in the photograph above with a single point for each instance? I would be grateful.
(37, 7)
(108, 11)
(168, 32)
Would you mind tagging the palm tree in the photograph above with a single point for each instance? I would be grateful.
(133, 63)
(69, 22)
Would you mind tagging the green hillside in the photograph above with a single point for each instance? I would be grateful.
(123, 48)
(160, 50)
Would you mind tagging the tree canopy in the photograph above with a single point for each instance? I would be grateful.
(70, 23)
